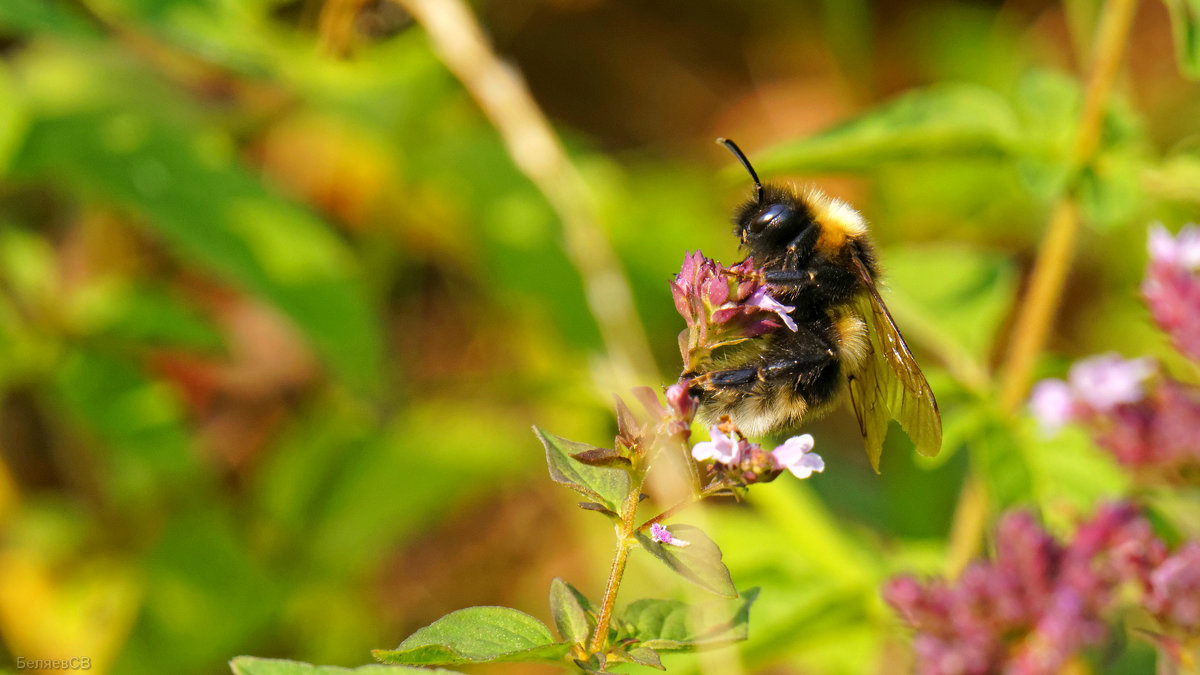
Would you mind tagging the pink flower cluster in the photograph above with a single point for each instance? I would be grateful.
(1172, 286)
(723, 306)
(1039, 603)
(748, 463)
(1146, 419)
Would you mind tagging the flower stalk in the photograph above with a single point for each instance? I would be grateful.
(1036, 314)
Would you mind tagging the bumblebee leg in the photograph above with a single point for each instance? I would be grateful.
(733, 378)
(800, 249)
(834, 281)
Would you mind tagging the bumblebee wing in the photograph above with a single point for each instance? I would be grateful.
(889, 384)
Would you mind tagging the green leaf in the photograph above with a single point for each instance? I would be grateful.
(959, 317)
(1005, 468)
(607, 485)
(44, 16)
(643, 656)
(698, 562)
(942, 120)
(13, 116)
(253, 665)
(673, 626)
(1185, 24)
(571, 611)
(249, 237)
(477, 635)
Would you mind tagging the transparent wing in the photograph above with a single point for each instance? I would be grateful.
(890, 383)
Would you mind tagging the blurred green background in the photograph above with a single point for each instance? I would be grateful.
(277, 309)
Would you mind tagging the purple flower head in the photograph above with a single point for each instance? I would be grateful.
(723, 306)
(1174, 597)
(1172, 286)
(722, 449)
(796, 455)
(1107, 381)
(1037, 605)
(662, 535)
(1052, 405)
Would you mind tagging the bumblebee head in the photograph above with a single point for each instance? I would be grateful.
(773, 218)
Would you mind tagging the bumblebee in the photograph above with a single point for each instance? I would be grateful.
(815, 255)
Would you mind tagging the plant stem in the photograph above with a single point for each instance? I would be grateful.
(625, 541)
(1036, 315)
(536, 150)
(672, 510)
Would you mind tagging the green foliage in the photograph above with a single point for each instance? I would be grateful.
(699, 561)
(573, 616)
(477, 635)
(1185, 22)
(606, 486)
(673, 626)
(250, 665)
(277, 308)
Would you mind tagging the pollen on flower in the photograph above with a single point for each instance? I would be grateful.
(662, 535)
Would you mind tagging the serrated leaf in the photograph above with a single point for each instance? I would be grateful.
(674, 626)
(698, 562)
(939, 121)
(1185, 24)
(253, 665)
(606, 485)
(571, 612)
(477, 635)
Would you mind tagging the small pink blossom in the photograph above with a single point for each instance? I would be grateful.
(1172, 286)
(682, 404)
(1182, 250)
(763, 300)
(1052, 405)
(663, 536)
(796, 455)
(721, 448)
(1106, 381)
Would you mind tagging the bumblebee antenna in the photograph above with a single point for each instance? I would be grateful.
(737, 152)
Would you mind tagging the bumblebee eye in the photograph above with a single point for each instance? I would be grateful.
(773, 214)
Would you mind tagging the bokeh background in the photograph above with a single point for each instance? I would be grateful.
(278, 308)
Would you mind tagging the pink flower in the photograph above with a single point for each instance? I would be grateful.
(796, 456)
(663, 536)
(763, 300)
(1052, 405)
(681, 403)
(1172, 286)
(1106, 381)
(1038, 604)
(1181, 251)
(1175, 592)
(721, 448)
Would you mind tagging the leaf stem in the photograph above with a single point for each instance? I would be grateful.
(1036, 315)
(625, 541)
